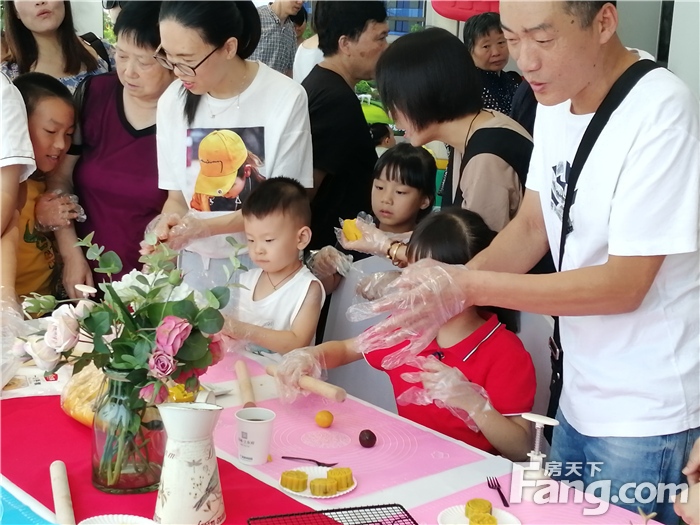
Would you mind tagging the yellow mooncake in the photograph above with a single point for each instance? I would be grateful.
(350, 230)
(295, 480)
(482, 519)
(477, 506)
(323, 487)
(343, 476)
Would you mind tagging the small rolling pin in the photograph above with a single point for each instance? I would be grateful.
(61, 494)
(315, 386)
(246, 387)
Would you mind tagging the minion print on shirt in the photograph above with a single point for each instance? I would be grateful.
(228, 171)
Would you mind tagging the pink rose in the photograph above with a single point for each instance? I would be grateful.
(161, 364)
(217, 348)
(44, 356)
(63, 330)
(171, 334)
(147, 393)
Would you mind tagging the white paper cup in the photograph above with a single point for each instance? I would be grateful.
(254, 434)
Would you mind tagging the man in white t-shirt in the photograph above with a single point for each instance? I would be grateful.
(628, 292)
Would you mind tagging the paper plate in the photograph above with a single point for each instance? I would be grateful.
(313, 473)
(455, 516)
(117, 519)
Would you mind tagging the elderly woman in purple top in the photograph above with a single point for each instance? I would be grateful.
(114, 170)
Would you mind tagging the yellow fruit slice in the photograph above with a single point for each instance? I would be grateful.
(324, 419)
(350, 230)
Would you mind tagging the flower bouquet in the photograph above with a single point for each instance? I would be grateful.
(149, 332)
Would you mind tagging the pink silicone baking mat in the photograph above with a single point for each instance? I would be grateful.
(403, 452)
(527, 512)
(225, 369)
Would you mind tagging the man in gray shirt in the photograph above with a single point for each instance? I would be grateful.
(278, 42)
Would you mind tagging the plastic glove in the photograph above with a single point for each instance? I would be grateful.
(190, 228)
(373, 240)
(54, 210)
(373, 286)
(420, 301)
(328, 261)
(447, 388)
(294, 365)
(692, 468)
(690, 510)
(158, 230)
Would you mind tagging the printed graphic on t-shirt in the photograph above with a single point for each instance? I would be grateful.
(228, 163)
(42, 244)
(558, 194)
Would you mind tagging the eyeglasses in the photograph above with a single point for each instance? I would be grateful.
(186, 70)
(111, 4)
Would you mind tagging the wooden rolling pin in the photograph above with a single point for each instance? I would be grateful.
(244, 384)
(315, 386)
(61, 494)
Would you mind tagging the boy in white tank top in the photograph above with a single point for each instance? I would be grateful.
(281, 302)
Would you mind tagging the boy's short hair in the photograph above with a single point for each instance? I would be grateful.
(349, 19)
(279, 195)
(34, 87)
(479, 26)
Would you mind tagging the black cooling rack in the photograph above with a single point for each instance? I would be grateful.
(392, 514)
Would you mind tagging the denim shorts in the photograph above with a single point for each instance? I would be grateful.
(635, 466)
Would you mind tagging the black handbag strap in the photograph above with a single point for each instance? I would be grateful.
(612, 100)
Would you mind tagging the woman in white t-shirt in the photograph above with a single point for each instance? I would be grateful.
(226, 124)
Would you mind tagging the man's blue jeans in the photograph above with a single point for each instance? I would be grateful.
(635, 466)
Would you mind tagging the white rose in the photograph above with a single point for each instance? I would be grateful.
(44, 356)
(63, 330)
(83, 308)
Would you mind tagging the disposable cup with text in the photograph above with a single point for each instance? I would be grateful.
(253, 434)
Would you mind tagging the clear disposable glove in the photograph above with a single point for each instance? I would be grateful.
(157, 231)
(419, 302)
(373, 240)
(190, 228)
(447, 388)
(54, 210)
(373, 286)
(294, 365)
(328, 261)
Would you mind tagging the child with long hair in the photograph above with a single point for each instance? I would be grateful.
(475, 377)
(403, 193)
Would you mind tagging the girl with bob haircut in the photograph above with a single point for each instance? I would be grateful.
(40, 36)
(430, 85)
(473, 380)
(223, 108)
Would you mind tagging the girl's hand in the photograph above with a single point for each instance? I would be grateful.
(373, 240)
(294, 365)
(420, 301)
(54, 210)
(447, 388)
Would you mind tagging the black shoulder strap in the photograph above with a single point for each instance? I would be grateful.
(612, 100)
(505, 143)
(98, 46)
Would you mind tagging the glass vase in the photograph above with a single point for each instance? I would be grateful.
(128, 441)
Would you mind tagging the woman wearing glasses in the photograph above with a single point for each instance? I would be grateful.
(114, 170)
(39, 36)
(225, 126)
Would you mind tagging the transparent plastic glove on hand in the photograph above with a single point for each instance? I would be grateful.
(420, 301)
(190, 228)
(374, 286)
(294, 365)
(157, 231)
(373, 240)
(447, 388)
(328, 261)
(54, 210)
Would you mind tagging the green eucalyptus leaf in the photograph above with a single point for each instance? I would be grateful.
(223, 295)
(98, 323)
(185, 309)
(151, 238)
(142, 279)
(203, 362)
(142, 350)
(210, 321)
(194, 347)
(110, 263)
(93, 252)
(85, 241)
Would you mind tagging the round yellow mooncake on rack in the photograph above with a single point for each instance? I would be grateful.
(477, 506)
(482, 519)
(323, 487)
(343, 476)
(294, 480)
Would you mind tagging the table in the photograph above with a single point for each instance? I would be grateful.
(410, 465)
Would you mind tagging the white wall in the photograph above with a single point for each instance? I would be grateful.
(684, 53)
(87, 16)
(639, 24)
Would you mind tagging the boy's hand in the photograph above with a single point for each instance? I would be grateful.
(54, 210)
(447, 388)
(328, 261)
(294, 365)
